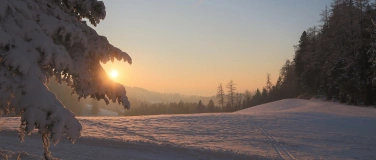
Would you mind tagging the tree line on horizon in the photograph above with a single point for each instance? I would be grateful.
(139, 107)
(335, 61)
(181, 107)
(234, 101)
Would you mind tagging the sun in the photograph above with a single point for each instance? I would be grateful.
(114, 74)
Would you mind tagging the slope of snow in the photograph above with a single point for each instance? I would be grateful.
(309, 106)
(286, 129)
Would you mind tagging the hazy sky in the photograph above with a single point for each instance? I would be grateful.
(190, 46)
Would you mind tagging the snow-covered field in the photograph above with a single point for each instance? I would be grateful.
(286, 129)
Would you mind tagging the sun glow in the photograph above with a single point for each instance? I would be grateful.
(114, 74)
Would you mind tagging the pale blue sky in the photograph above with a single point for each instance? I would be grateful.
(190, 46)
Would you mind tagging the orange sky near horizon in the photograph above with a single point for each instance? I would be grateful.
(190, 48)
(200, 83)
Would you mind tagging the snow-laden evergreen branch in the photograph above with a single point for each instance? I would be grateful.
(41, 39)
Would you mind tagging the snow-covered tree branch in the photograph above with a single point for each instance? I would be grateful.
(42, 39)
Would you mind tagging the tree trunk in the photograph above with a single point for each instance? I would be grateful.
(46, 145)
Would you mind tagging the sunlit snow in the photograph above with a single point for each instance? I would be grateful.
(286, 129)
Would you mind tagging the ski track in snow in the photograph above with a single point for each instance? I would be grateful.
(286, 129)
(276, 144)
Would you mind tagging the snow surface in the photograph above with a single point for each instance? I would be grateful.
(285, 129)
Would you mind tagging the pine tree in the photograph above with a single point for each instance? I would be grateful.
(238, 101)
(264, 95)
(247, 99)
(51, 41)
(299, 53)
(231, 93)
(269, 83)
(257, 98)
(200, 107)
(221, 95)
(211, 106)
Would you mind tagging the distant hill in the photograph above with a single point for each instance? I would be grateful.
(137, 93)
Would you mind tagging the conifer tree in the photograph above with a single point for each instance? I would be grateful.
(44, 40)
(221, 95)
(231, 93)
